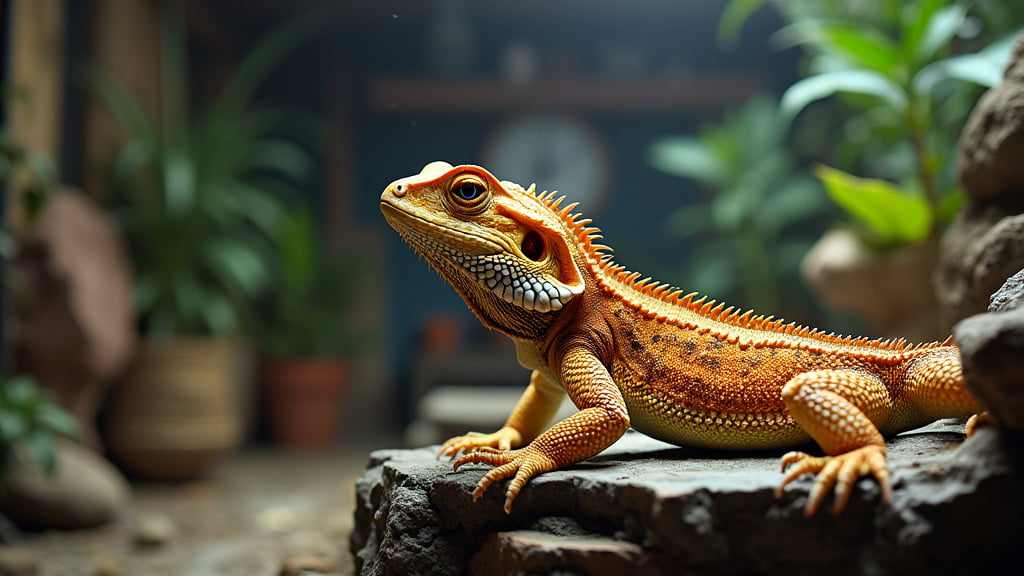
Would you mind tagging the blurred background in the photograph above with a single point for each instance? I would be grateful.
(193, 243)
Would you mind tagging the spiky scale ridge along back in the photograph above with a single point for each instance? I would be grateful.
(692, 310)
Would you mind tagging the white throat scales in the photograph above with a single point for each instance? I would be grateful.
(517, 285)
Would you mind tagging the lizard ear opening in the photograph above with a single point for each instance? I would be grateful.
(567, 277)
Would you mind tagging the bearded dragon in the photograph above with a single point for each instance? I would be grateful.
(632, 352)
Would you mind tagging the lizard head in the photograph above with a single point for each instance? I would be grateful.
(502, 247)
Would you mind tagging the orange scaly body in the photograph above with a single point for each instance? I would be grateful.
(632, 352)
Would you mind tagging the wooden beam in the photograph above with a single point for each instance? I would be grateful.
(400, 95)
(37, 72)
(126, 46)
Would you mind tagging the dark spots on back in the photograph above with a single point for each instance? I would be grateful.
(709, 362)
(715, 344)
(656, 338)
(689, 346)
(635, 345)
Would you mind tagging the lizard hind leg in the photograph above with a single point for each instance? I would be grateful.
(838, 408)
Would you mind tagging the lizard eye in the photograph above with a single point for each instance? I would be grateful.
(469, 195)
(469, 191)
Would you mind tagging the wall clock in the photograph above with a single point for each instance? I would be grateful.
(555, 151)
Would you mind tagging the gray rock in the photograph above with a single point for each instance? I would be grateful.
(955, 510)
(992, 141)
(84, 491)
(992, 351)
(1009, 296)
(984, 245)
(982, 248)
(532, 552)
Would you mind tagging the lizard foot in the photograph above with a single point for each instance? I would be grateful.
(504, 439)
(520, 464)
(840, 471)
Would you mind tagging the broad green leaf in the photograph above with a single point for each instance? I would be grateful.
(689, 158)
(736, 13)
(916, 19)
(58, 421)
(179, 182)
(237, 266)
(940, 31)
(863, 46)
(984, 68)
(13, 426)
(881, 207)
(297, 246)
(814, 88)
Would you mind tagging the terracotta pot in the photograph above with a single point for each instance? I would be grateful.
(303, 400)
(176, 411)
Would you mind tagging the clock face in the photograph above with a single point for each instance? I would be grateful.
(554, 152)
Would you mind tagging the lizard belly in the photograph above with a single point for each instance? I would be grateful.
(676, 414)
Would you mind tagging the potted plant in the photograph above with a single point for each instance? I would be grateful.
(197, 195)
(303, 337)
(902, 79)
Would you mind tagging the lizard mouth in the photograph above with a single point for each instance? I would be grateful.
(485, 261)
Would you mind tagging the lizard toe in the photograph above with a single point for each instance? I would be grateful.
(838, 474)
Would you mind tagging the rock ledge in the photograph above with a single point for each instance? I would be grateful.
(647, 507)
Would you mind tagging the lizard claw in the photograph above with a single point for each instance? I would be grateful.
(503, 439)
(519, 464)
(840, 471)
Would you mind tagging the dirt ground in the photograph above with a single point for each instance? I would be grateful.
(257, 511)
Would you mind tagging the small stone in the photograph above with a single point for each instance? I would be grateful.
(17, 562)
(299, 564)
(154, 531)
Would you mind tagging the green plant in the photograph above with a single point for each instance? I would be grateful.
(303, 314)
(199, 195)
(905, 78)
(747, 234)
(32, 421)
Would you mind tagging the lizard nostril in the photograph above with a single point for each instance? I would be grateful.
(399, 190)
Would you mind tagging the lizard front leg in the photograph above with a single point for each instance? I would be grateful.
(532, 414)
(838, 409)
(602, 419)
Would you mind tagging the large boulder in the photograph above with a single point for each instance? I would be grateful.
(645, 507)
(984, 245)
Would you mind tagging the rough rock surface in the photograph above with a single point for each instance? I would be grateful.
(992, 351)
(992, 141)
(985, 243)
(1010, 295)
(643, 507)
